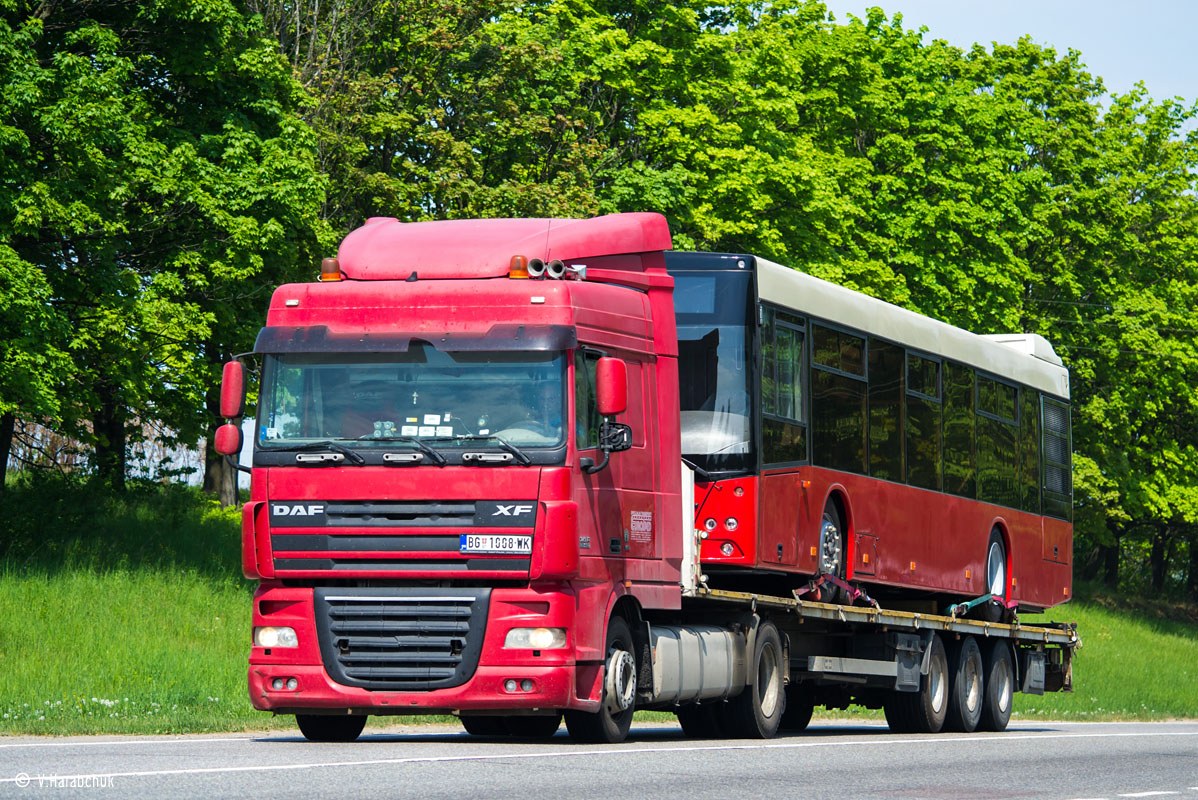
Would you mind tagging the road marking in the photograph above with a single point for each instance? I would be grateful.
(128, 741)
(593, 752)
(1147, 794)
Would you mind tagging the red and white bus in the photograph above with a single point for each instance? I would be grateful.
(841, 434)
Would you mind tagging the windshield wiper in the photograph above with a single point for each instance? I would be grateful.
(412, 440)
(330, 445)
(520, 455)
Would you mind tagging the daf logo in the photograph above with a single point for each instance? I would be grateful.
(297, 510)
(511, 511)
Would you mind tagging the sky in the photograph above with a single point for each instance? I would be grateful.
(1123, 41)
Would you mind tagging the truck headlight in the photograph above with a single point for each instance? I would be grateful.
(275, 637)
(535, 638)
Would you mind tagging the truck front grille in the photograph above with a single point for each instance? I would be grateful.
(401, 639)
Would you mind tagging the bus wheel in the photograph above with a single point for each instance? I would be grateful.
(611, 723)
(999, 680)
(533, 727)
(922, 711)
(701, 721)
(329, 728)
(799, 708)
(831, 553)
(756, 712)
(964, 687)
(996, 578)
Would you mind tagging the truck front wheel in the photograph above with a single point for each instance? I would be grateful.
(610, 725)
(328, 728)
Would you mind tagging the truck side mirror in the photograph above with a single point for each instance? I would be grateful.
(227, 441)
(611, 386)
(232, 390)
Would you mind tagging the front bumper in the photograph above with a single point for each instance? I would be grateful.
(557, 682)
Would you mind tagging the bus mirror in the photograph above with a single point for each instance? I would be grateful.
(228, 439)
(232, 390)
(611, 379)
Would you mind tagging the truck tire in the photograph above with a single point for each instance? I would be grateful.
(756, 712)
(611, 723)
(799, 709)
(701, 721)
(329, 728)
(964, 686)
(533, 727)
(922, 711)
(999, 679)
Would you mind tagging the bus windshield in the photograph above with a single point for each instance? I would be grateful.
(713, 368)
(370, 399)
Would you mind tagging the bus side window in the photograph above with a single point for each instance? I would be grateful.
(960, 452)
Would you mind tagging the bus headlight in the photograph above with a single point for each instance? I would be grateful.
(275, 637)
(535, 638)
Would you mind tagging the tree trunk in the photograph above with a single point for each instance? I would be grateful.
(1192, 570)
(1110, 560)
(220, 478)
(108, 426)
(7, 424)
(1160, 555)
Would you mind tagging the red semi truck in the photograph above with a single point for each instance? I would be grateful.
(519, 469)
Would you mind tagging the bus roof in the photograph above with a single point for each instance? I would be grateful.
(1023, 358)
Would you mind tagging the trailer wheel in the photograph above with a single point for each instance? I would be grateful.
(329, 728)
(701, 721)
(999, 679)
(799, 708)
(922, 711)
(533, 727)
(964, 687)
(831, 553)
(611, 723)
(756, 712)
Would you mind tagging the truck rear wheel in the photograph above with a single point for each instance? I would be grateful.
(329, 728)
(999, 680)
(614, 718)
(922, 711)
(756, 712)
(799, 708)
(964, 686)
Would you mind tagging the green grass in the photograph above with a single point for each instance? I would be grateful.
(131, 616)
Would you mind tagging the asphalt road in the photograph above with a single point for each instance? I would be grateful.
(831, 760)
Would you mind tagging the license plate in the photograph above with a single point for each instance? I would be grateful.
(495, 543)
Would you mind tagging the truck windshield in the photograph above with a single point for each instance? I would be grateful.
(372, 399)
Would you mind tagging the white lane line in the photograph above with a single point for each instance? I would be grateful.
(595, 752)
(128, 741)
(1147, 794)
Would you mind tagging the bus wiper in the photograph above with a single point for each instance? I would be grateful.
(331, 445)
(412, 440)
(703, 474)
(520, 455)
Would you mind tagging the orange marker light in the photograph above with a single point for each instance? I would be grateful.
(518, 267)
(865, 558)
(330, 270)
(968, 574)
(912, 566)
(813, 551)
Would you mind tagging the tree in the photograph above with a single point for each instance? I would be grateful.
(161, 182)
